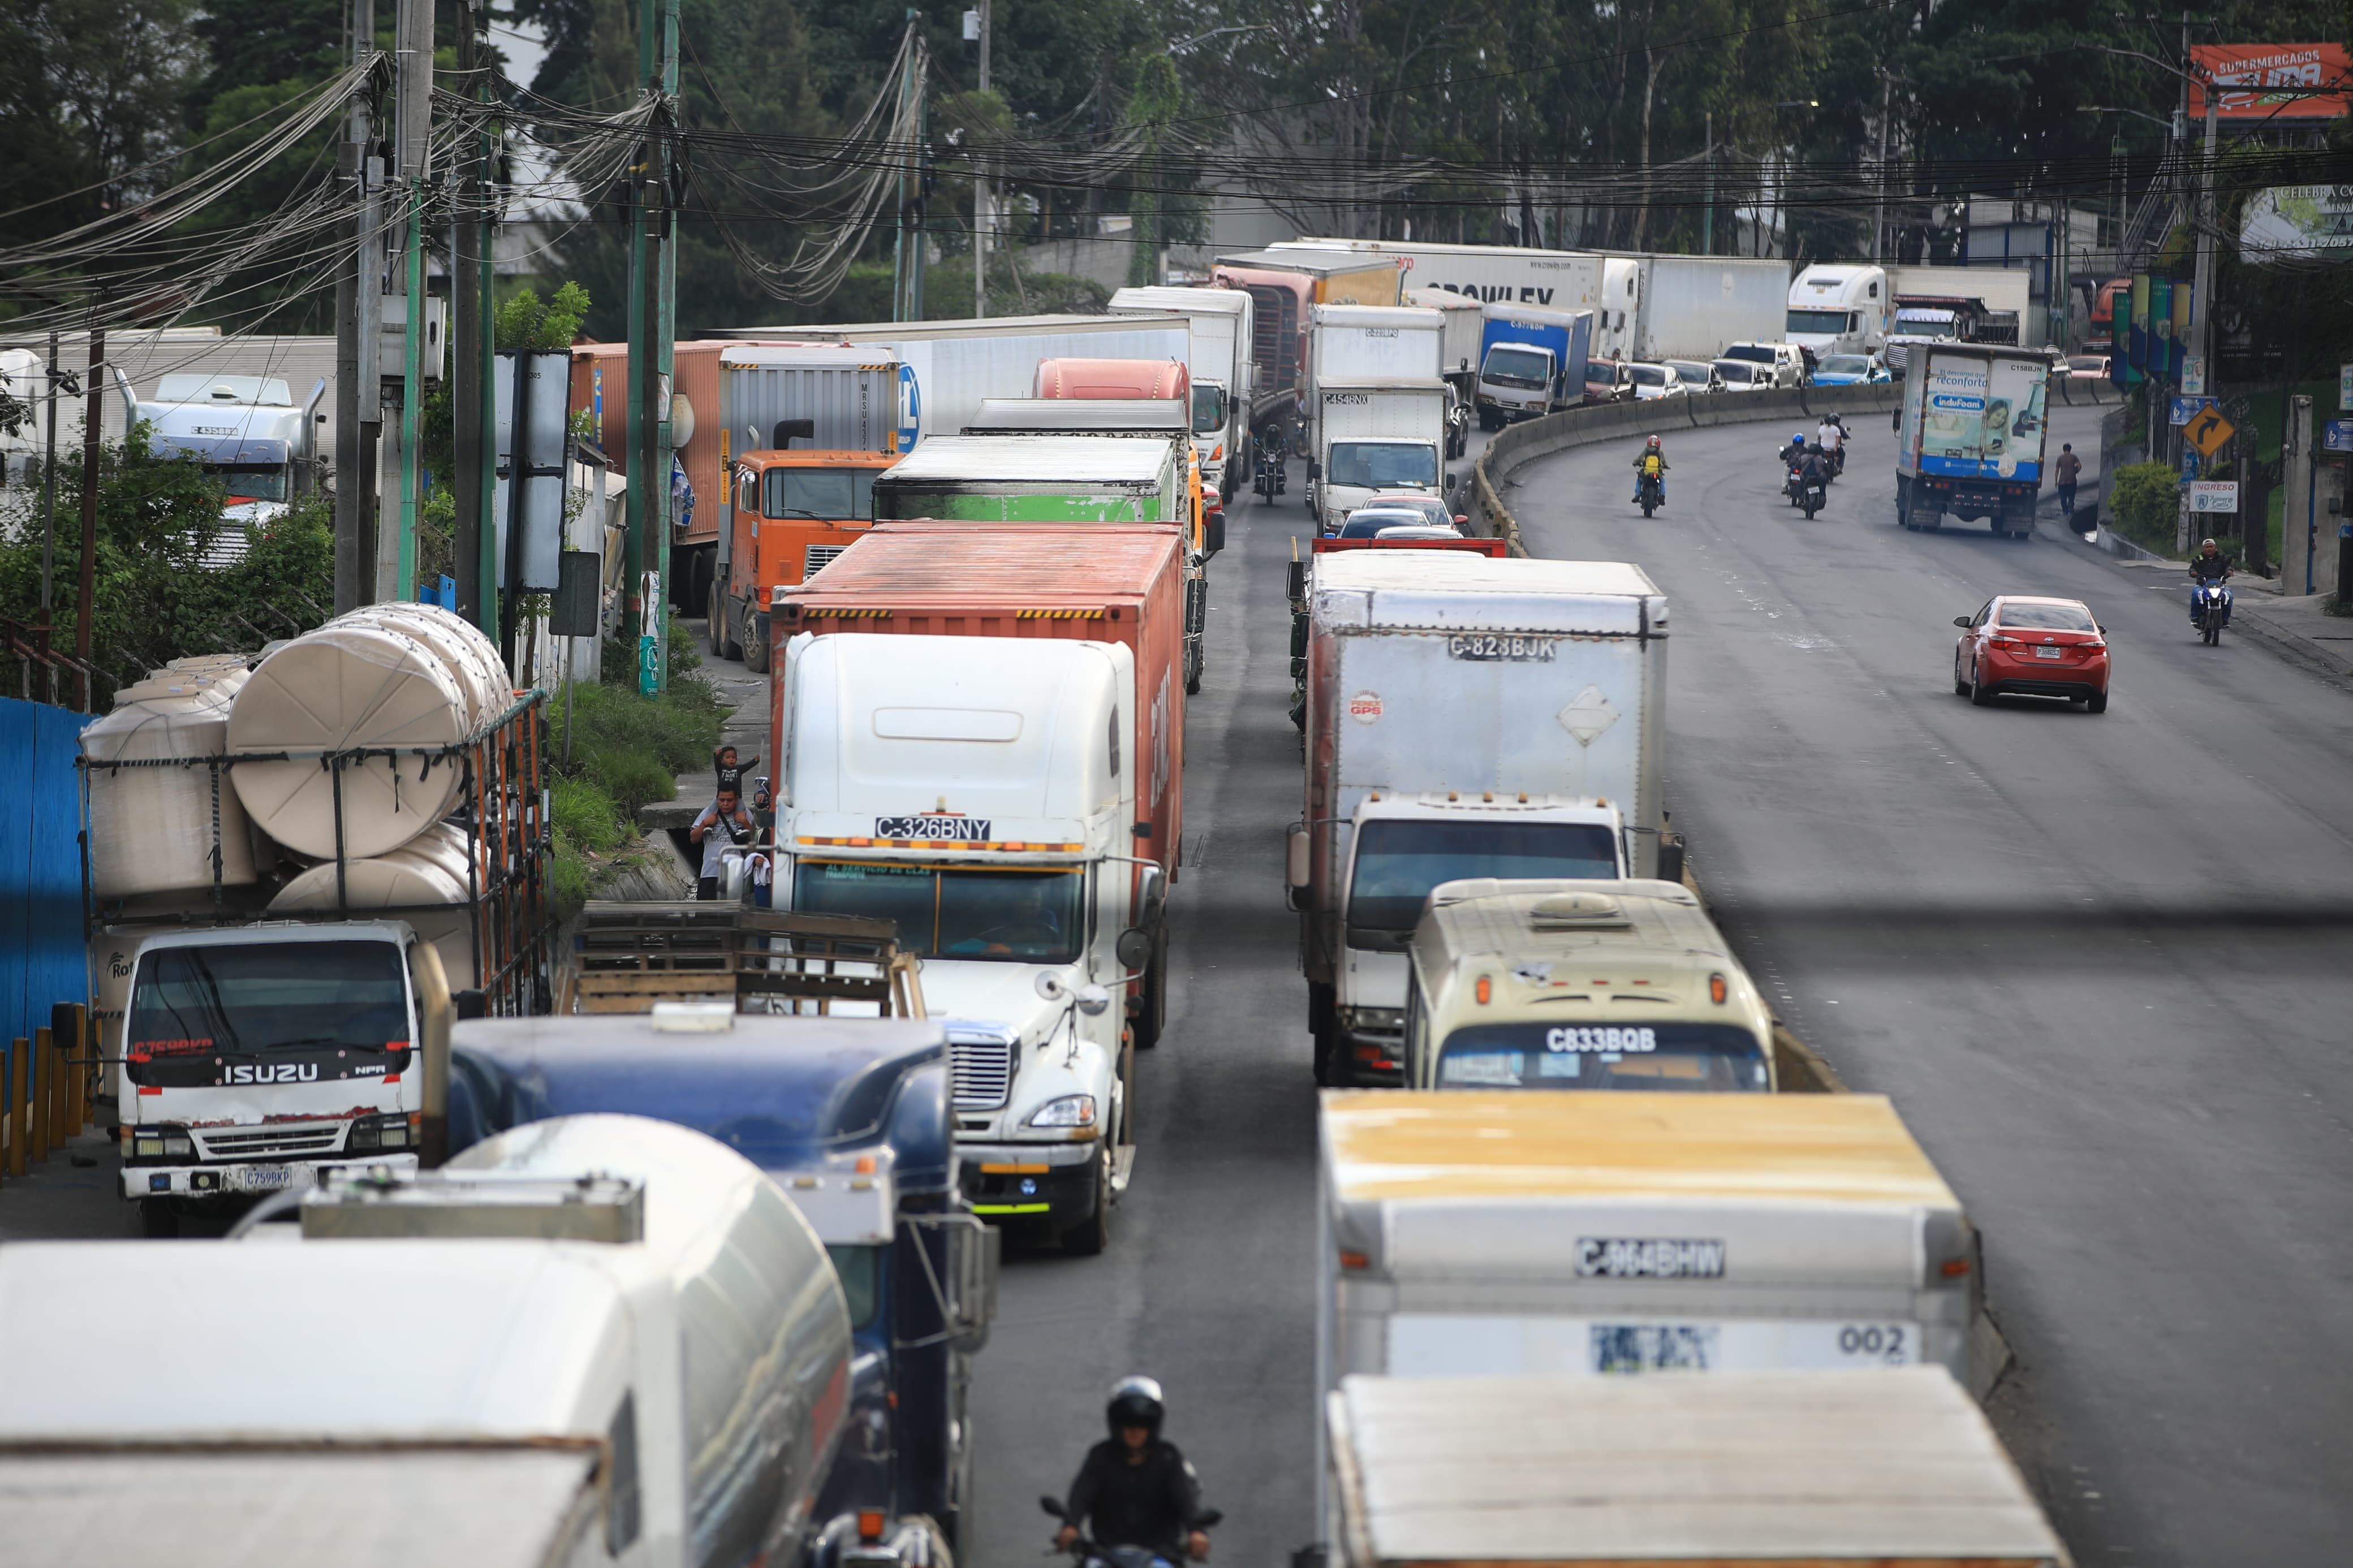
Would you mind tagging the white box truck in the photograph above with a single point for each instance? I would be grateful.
(984, 792)
(955, 364)
(1223, 375)
(1970, 438)
(1770, 1469)
(1374, 434)
(592, 1340)
(1466, 716)
(1504, 1232)
(1458, 355)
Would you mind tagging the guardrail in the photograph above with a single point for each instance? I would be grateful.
(1524, 442)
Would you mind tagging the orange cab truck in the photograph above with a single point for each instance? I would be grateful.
(726, 401)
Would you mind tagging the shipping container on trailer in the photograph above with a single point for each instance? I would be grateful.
(600, 384)
(1287, 286)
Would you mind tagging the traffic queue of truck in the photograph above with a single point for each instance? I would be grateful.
(734, 1172)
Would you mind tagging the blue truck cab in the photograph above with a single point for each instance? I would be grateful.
(1532, 361)
(851, 1116)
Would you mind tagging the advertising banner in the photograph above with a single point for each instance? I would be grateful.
(2271, 81)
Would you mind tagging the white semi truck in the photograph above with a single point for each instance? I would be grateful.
(984, 793)
(1222, 372)
(1466, 716)
(245, 430)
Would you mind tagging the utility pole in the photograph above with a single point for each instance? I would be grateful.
(83, 604)
(1707, 213)
(49, 498)
(414, 102)
(2201, 306)
(359, 290)
(473, 330)
(1886, 105)
(652, 329)
(907, 259)
(982, 190)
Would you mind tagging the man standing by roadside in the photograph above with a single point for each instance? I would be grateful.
(724, 822)
(2066, 470)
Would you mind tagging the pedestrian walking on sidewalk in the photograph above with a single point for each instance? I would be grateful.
(2068, 469)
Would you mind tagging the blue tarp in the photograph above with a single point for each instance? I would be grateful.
(41, 953)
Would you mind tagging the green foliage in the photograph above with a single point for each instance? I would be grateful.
(2146, 503)
(524, 321)
(625, 752)
(166, 584)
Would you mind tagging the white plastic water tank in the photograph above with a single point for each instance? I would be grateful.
(480, 679)
(342, 687)
(428, 870)
(153, 829)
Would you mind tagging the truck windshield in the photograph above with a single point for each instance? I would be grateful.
(1818, 321)
(299, 1012)
(1381, 465)
(1209, 408)
(955, 911)
(254, 481)
(1516, 367)
(828, 494)
(1699, 1059)
(1398, 862)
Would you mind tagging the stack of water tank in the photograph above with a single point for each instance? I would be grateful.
(397, 684)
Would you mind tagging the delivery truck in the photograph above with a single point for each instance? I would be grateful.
(1286, 286)
(1971, 436)
(1458, 354)
(955, 363)
(1222, 321)
(608, 1340)
(1955, 304)
(1087, 582)
(1376, 434)
(1074, 479)
(1532, 361)
(851, 1116)
(1360, 343)
(1466, 716)
(1501, 1232)
(1540, 984)
(1838, 308)
(1772, 1468)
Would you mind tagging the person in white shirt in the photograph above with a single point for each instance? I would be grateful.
(1831, 438)
(722, 825)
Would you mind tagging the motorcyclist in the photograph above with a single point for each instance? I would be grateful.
(1795, 450)
(1651, 464)
(1830, 437)
(1814, 466)
(1134, 1486)
(2208, 565)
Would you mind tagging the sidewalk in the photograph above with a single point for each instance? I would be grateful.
(746, 730)
(2291, 624)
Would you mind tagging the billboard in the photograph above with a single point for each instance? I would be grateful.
(2271, 81)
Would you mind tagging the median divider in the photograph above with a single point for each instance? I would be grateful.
(1521, 444)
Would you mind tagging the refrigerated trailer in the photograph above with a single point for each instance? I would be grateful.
(1223, 375)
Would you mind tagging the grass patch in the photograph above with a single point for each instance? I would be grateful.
(624, 752)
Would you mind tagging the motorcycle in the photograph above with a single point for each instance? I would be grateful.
(2209, 609)
(1270, 479)
(1812, 493)
(1650, 492)
(1090, 1554)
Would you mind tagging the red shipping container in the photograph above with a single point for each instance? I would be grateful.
(1090, 582)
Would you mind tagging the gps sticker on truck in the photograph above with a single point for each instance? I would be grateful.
(1648, 1258)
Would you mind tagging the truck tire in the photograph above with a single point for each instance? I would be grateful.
(1090, 1236)
(1153, 1019)
(723, 625)
(754, 646)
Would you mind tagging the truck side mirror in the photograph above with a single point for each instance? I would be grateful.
(1134, 948)
(1671, 857)
(1294, 859)
(974, 1252)
(1314, 469)
(1449, 482)
(1151, 897)
(1295, 581)
(470, 1004)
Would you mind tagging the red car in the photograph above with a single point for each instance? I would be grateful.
(2033, 647)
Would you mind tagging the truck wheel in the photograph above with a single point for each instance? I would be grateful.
(723, 625)
(714, 625)
(754, 646)
(1090, 1236)
(157, 1222)
(1153, 1020)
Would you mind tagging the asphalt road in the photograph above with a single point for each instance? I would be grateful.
(1207, 1283)
(2100, 962)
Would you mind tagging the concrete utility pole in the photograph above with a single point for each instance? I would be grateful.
(415, 99)
(90, 421)
(907, 247)
(2299, 513)
(472, 330)
(653, 297)
(1707, 211)
(2201, 308)
(359, 291)
(982, 190)
(1887, 104)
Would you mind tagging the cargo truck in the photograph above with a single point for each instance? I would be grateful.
(1691, 306)
(1088, 582)
(1776, 1469)
(1138, 379)
(1495, 1232)
(1465, 717)
(246, 431)
(1458, 354)
(1551, 984)
(792, 510)
(851, 1116)
(994, 796)
(1532, 361)
(1376, 434)
(1955, 304)
(1077, 478)
(955, 363)
(1971, 436)
(1222, 321)
(1360, 344)
(1286, 286)
(597, 1340)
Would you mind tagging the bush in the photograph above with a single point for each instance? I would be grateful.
(2146, 504)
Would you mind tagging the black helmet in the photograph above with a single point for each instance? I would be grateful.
(1135, 1402)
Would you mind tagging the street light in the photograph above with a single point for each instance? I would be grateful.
(2170, 125)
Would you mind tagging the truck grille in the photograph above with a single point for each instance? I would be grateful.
(270, 1143)
(982, 1068)
(814, 558)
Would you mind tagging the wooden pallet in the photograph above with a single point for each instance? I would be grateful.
(626, 957)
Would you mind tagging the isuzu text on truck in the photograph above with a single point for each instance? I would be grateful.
(1466, 716)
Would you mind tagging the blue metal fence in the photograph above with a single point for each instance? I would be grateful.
(41, 952)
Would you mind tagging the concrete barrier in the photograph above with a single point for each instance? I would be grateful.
(1520, 444)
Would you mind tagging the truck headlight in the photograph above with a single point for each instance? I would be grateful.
(1069, 1111)
(178, 1143)
(147, 1146)
(1381, 1020)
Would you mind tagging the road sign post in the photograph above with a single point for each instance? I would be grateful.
(2206, 430)
(2213, 496)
